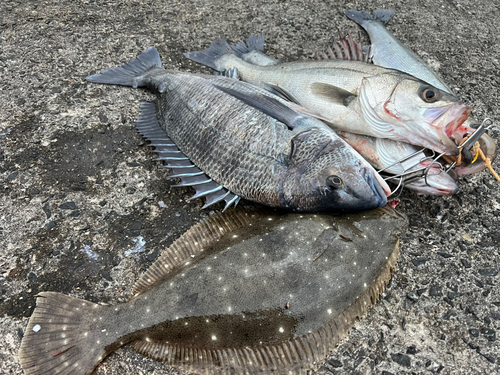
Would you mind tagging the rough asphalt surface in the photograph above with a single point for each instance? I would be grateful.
(85, 210)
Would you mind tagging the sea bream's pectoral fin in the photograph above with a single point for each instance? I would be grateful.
(278, 91)
(332, 93)
(268, 105)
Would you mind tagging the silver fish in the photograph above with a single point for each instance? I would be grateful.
(229, 139)
(243, 292)
(383, 154)
(386, 51)
(356, 97)
(393, 157)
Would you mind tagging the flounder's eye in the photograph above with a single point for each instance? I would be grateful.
(430, 95)
(334, 181)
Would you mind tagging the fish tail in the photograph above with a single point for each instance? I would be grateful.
(133, 73)
(59, 338)
(358, 16)
(209, 57)
(252, 43)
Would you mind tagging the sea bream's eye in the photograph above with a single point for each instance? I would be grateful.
(334, 181)
(429, 95)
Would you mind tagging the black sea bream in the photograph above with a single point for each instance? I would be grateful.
(229, 139)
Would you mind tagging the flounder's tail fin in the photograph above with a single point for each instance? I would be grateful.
(59, 338)
(358, 16)
(133, 73)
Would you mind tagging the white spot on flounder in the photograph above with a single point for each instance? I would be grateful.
(214, 337)
(37, 328)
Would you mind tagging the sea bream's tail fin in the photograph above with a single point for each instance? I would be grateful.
(209, 57)
(130, 74)
(59, 338)
(358, 16)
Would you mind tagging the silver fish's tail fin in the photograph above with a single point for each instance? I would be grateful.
(133, 73)
(209, 57)
(358, 16)
(59, 338)
(252, 43)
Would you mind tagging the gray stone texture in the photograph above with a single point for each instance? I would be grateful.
(78, 186)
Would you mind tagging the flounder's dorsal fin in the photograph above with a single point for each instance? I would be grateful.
(192, 244)
(298, 355)
(346, 49)
(148, 126)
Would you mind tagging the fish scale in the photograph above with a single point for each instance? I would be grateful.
(244, 142)
(212, 141)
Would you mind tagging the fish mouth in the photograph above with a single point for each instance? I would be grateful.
(490, 151)
(377, 188)
(450, 119)
(441, 183)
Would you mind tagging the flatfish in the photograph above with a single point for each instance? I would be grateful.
(242, 292)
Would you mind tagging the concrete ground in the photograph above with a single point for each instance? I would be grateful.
(79, 187)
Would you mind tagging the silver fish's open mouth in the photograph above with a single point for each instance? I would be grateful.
(450, 119)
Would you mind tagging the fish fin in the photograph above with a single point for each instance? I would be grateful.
(194, 241)
(209, 57)
(268, 105)
(383, 15)
(345, 49)
(231, 73)
(252, 43)
(130, 74)
(358, 16)
(332, 93)
(278, 91)
(149, 127)
(59, 338)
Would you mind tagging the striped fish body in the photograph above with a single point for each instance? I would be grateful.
(236, 145)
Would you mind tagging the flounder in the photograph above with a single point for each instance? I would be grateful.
(242, 292)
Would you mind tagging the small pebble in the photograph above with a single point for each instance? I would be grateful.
(488, 272)
(474, 332)
(68, 206)
(401, 359)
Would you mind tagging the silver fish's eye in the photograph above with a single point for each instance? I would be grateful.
(334, 181)
(430, 95)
